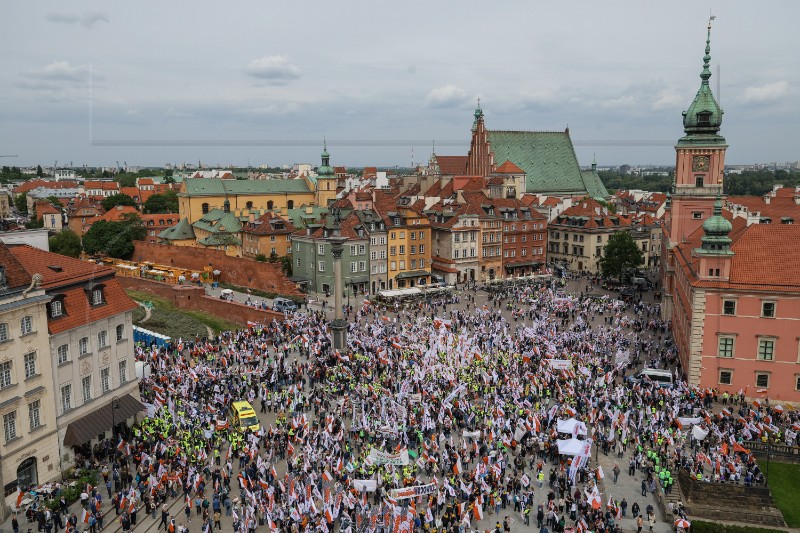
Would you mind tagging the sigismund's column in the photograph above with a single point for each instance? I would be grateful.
(338, 324)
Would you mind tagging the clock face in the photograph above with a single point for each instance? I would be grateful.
(700, 163)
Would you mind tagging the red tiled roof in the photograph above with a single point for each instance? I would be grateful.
(452, 164)
(133, 192)
(102, 185)
(67, 269)
(766, 254)
(508, 168)
(118, 213)
(146, 181)
(45, 207)
(64, 276)
(16, 276)
(779, 206)
(263, 226)
(593, 211)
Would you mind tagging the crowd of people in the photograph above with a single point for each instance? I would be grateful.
(435, 417)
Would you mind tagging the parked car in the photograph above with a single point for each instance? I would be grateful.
(284, 305)
(662, 378)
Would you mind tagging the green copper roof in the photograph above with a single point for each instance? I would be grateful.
(325, 170)
(547, 157)
(716, 229)
(219, 221)
(703, 119)
(219, 187)
(301, 219)
(180, 231)
(593, 184)
(220, 240)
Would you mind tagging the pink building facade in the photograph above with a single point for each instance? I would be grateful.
(731, 290)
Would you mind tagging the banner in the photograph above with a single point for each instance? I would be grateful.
(560, 364)
(412, 492)
(471, 434)
(382, 458)
(365, 485)
(699, 433)
(458, 390)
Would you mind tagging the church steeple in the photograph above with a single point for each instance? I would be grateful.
(325, 170)
(478, 115)
(703, 118)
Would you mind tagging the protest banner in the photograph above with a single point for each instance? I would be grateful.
(412, 492)
(379, 457)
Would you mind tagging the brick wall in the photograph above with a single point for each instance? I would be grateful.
(193, 298)
(238, 271)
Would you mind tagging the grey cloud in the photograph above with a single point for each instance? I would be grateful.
(87, 20)
(57, 77)
(446, 96)
(275, 70)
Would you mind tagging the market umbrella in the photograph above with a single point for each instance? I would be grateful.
(683, 523)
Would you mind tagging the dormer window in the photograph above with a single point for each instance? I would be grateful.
(94, 292)
(704, 118)
(57, 308)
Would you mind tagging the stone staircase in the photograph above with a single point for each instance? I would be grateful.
(726, 502)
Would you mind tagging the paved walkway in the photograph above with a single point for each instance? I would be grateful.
(627, 487)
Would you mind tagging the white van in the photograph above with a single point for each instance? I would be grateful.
(661, 378)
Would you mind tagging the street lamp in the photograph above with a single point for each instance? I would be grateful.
(114, 407)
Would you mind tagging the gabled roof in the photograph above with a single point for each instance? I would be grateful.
(267, 224)
(179, 232)
(117, 213)
(452, 164)
(587, 213)
(508, 168)
(222, 187)
(218, 221)
(547, 157)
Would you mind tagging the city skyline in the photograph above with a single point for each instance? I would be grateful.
(265, 84)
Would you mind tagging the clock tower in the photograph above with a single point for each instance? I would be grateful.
(700, 160)
(699, 173)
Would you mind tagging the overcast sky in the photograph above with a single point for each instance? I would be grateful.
(227, 82)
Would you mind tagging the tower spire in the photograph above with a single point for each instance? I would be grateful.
(705, 74)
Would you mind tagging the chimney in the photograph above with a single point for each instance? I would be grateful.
(460, 196)
(767, 199)
(797, 199)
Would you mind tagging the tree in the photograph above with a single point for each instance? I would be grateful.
(39, 171)
(114, 239)
(21, 203)
(126, 180)
(619, 254)
(168, 179)
(110, 202)
(66, 243)
(261, 258)
(286, 265)
(161, 203)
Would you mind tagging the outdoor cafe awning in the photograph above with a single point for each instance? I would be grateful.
(413, 274)
(89, 426)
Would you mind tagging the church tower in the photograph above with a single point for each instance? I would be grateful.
(326, 179)
(699, 173)
(700, 160)
(480, 160)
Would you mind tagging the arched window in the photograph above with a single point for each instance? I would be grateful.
(205, 208)
(290, 204)
(26, 473)
(270, 204)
